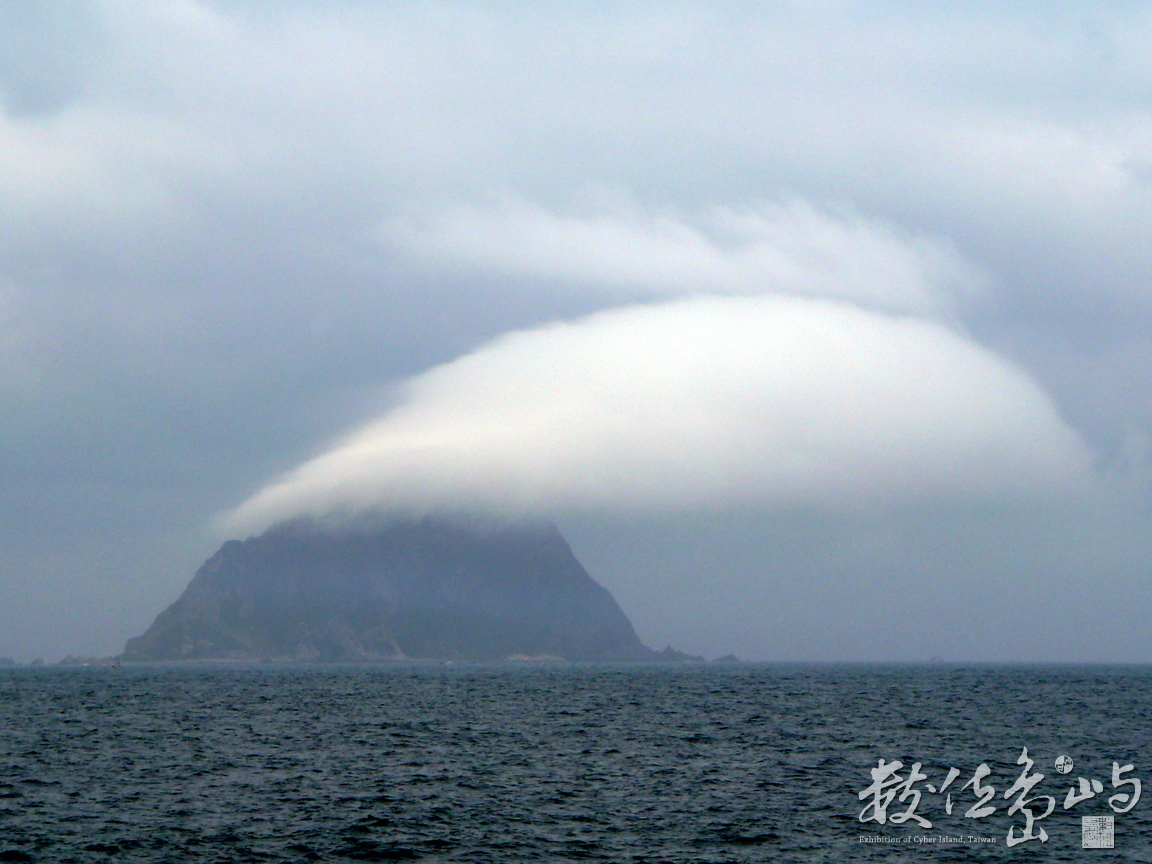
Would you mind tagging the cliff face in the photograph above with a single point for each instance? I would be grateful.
(428, 589)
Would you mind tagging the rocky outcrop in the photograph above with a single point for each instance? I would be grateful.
(429, 589)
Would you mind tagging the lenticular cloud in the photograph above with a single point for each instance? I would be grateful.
(703, 402)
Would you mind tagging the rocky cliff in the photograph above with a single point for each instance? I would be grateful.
(390, 591)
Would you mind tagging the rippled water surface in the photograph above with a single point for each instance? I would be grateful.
(690, 763)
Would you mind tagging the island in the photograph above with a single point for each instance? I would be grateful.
(398, 590)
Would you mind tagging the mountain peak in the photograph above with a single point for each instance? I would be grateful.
(378, 589)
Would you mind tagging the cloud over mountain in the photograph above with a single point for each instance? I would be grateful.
(877, 243)
(700, 402)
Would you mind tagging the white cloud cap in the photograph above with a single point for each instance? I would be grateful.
(700, 402)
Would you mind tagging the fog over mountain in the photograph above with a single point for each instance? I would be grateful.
(821, 330)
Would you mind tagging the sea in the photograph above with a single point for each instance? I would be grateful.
(555, 763)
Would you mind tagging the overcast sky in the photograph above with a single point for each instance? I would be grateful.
(822, 329)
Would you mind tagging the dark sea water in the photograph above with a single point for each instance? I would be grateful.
(557, 763)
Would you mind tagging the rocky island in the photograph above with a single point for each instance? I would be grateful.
(394, 590)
